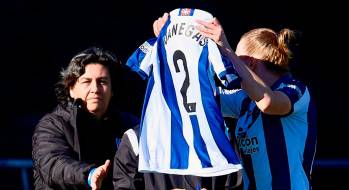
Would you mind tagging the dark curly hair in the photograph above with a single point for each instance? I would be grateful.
(76, 68)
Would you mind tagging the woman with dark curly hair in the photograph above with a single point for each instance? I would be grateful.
(73, 145)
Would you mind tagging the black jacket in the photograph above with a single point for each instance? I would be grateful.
(126, 175)
(68, 142)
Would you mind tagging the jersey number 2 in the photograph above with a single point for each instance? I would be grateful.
(177, 57)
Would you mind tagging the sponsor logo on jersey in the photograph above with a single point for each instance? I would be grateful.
(185, 12)
(248, 145)
(145, 47)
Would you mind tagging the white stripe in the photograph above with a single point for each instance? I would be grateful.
(132, 137)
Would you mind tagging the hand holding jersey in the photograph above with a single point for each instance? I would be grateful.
(159, 23)
(210, 30)
(271, 102)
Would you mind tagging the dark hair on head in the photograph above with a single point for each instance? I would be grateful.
(76, 68)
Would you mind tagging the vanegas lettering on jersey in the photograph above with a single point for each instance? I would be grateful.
(186, 30)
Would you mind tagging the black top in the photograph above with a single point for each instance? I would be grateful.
(68, 142)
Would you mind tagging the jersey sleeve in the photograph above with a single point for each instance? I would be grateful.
(125, 167)
(141, 60)
(223, 67)
(231, 102)
(294, 90)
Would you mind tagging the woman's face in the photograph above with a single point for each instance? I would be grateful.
(245, 56)
(242, 54)
(94, 88)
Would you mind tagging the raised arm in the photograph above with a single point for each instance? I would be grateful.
(268, 101)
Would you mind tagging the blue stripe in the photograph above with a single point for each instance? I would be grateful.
(213, 113)
(277, 152)
(199, 144)
(16, 163)
(25, 179)
(250, 182)
(310, 144)
(191, 12)
(179, 147)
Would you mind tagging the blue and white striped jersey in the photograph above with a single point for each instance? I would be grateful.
(277, 151)
(182, 128)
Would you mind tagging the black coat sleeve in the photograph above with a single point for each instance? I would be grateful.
(125, 169)
(55, 160)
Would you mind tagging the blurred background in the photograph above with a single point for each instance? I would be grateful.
(38, 38)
